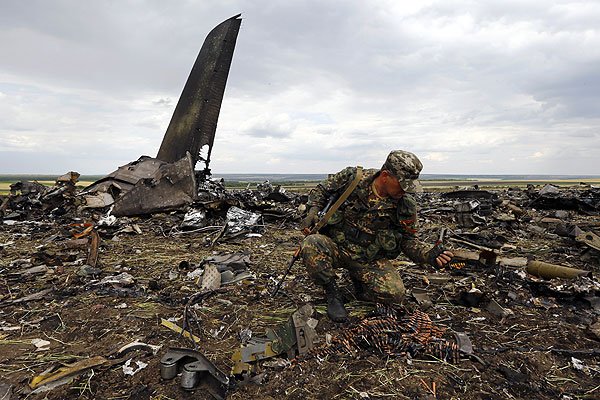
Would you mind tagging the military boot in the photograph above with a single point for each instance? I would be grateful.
(335, 305)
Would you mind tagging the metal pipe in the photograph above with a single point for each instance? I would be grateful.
(549, 271)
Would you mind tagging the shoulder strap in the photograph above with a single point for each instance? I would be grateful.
(339, 201)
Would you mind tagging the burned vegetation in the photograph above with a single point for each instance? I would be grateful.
(95, 306)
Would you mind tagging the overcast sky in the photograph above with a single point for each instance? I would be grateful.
(473, 87)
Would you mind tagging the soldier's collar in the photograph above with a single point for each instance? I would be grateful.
(374, 190)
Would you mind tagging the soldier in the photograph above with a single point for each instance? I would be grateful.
(375, 224)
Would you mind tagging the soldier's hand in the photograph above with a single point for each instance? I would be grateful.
(444, 258)
(311, 218)
(438, 256)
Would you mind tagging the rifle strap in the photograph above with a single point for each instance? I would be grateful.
(339, 201)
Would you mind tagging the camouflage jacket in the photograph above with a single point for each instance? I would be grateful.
(369, 229)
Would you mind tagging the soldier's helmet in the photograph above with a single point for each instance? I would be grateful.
(406, 167)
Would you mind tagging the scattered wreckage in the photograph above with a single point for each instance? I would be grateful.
(516, 269)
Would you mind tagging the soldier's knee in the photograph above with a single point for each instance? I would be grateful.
(314, 245)
(397, 294)
(391, 292)
(315, 240)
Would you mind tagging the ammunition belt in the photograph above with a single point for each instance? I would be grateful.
(392, 335)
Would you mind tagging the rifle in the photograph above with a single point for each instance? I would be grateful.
(325, 214)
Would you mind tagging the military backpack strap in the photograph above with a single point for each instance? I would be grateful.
(339, 201)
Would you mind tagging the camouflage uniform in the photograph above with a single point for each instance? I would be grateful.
(364, 234)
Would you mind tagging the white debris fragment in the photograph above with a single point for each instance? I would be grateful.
(194, 219)
(328, 339)
(279, 363)
(136, 344)
(122, 305)
(10, 328)
(108, 220)
(521, 274)
(238, 219)
(128, 370)
(41, 344)
(578, 364)
(476, 319)
(122, 279)
(195, 274)
(215, 332)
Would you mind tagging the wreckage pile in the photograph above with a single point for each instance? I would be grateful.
(95, 305)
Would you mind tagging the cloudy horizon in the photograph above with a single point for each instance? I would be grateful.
(498, 87)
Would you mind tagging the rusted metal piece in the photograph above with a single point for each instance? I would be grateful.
(92, 258)
(171, 186)
(194, 121)
(69, 370)
(549, 271)
(87, 229)
(590, 239)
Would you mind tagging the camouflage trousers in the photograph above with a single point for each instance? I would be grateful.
(379, 281)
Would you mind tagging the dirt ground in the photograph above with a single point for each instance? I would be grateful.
(544, 344)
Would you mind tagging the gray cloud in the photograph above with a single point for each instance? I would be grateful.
(472, 87)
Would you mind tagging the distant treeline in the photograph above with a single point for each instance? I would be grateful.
(426, 177)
